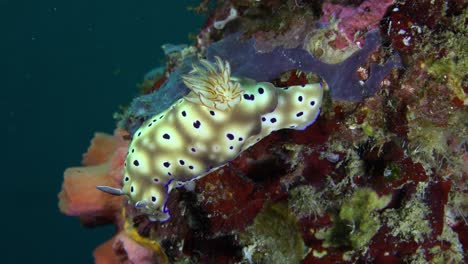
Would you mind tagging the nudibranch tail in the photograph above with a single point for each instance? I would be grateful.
(297, 107)
(212, 86)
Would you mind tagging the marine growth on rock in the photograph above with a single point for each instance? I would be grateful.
(291, 132)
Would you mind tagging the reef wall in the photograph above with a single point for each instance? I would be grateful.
(380, 177)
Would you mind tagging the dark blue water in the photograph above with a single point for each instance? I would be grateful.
(65, 67)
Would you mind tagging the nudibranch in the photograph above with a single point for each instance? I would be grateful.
(220, 117)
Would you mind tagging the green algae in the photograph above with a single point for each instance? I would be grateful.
(453, 254)
(419, 257)
(392, 172)
(305, 201)
(410, 222)
(319, 254)
(352, 164)
(274, 237)
(428, 143)
(437, 255)
(438, 87)
(453, 66)
(357, 221)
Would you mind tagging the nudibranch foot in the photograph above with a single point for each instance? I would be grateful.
(221, 117)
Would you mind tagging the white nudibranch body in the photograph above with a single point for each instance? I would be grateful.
(221, 117)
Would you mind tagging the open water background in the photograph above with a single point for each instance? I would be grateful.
(65, 67)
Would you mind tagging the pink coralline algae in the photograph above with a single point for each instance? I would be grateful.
(379, 177)
(354, 21)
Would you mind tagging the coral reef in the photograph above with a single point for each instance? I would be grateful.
(379, 177)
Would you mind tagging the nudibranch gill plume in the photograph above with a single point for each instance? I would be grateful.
(222, 116)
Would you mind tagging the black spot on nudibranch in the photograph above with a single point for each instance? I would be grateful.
(136, 163)
(299, 114)
(231, 147)
(249, 97)
(193, 150)
(161, 116)
(126, 179)
(212, 112)
(299, 98)
(240, 139)
(263, 119)
(182, 162)
(196, 124)
(153, 199)
(155, 179)
(184, 113)
(166, 136)
(133, 150)
(132, 189)
(139, 134)
(167, 164)
(190, 167)
(273, 120)
(230, 136)
(260, 90)
(150, 124)
(312, 103)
